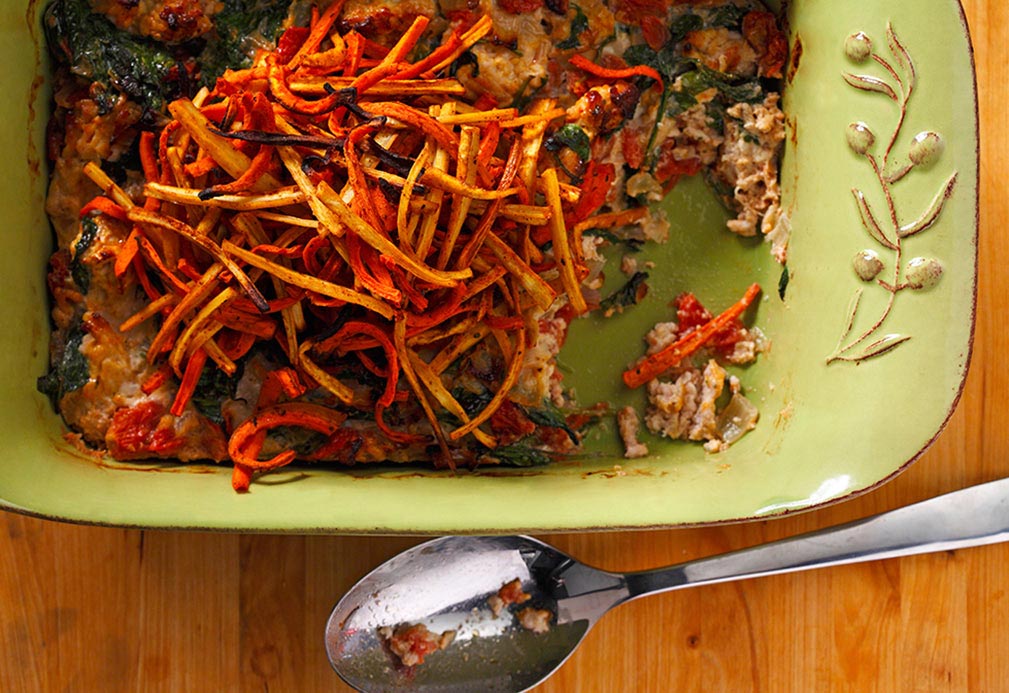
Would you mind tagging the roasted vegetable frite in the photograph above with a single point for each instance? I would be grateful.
(358, 232)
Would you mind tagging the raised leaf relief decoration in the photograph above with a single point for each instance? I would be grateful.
(870, 84)
(887, 230)
(930, 215)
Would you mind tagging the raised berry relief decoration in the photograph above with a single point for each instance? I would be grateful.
(886, 268)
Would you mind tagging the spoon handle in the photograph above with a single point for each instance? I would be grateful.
(974, 516)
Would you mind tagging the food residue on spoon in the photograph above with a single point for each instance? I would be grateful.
(412, 643)
(536, 620)
(510, 593)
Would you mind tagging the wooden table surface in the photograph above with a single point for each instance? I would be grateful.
(95, 609)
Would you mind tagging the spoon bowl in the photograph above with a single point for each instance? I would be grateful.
(447, 584)
(456, 588)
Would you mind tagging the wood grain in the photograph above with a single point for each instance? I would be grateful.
(93, 609)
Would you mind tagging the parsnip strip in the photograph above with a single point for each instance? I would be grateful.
(294, 318)
(534, 118)
(503, 343)
(219, 148)
(281, 197)
(561, 243)
(314, 284)
(383, 245)
(532, 141)
(466, 168)
(218, 356)
(569, 193)
(108, 186)
(403, 225)
(438, 334)
(433, 383)
(403, 352)
(484, 281)
(514, 369)
(417, 119)
(443, 181)
(288, 219)
(429, 221)
(541, 292)
(148, 312)
(342, 392)
(316, 86)
(198, 293)
(526, 214)
(204, 316)
(493, 114)
(476, 32)
(459, 346)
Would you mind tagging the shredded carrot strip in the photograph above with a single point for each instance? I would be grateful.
(127, 252)
(103, 205)
(189, 380)
(300, 414)
(583, 63)
(654, 365)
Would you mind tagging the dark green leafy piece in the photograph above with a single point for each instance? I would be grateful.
(579, 24)
(551, 416)
(467, 58)
(630, 294)
(572, 137)
(471, 402)
(71, 372)
(518, 455)
(78, 270)
(213, 389)
(733, 89)
(241, 27)
(783, 283)
(117, 61)
(728, 16)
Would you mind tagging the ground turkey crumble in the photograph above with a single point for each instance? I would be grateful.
(629, 424)
(749, 162)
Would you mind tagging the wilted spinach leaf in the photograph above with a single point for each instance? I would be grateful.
(783, 283)
(734, 90)
(572, 137)
(518, 455)
(78, 270)
(213, 388)
(728, 16)
(94, 48)
(241, 27)
(72, 372)
(627, 295)
(549, 415)
(579, 24)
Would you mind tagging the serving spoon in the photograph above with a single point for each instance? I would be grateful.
(449, 584)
